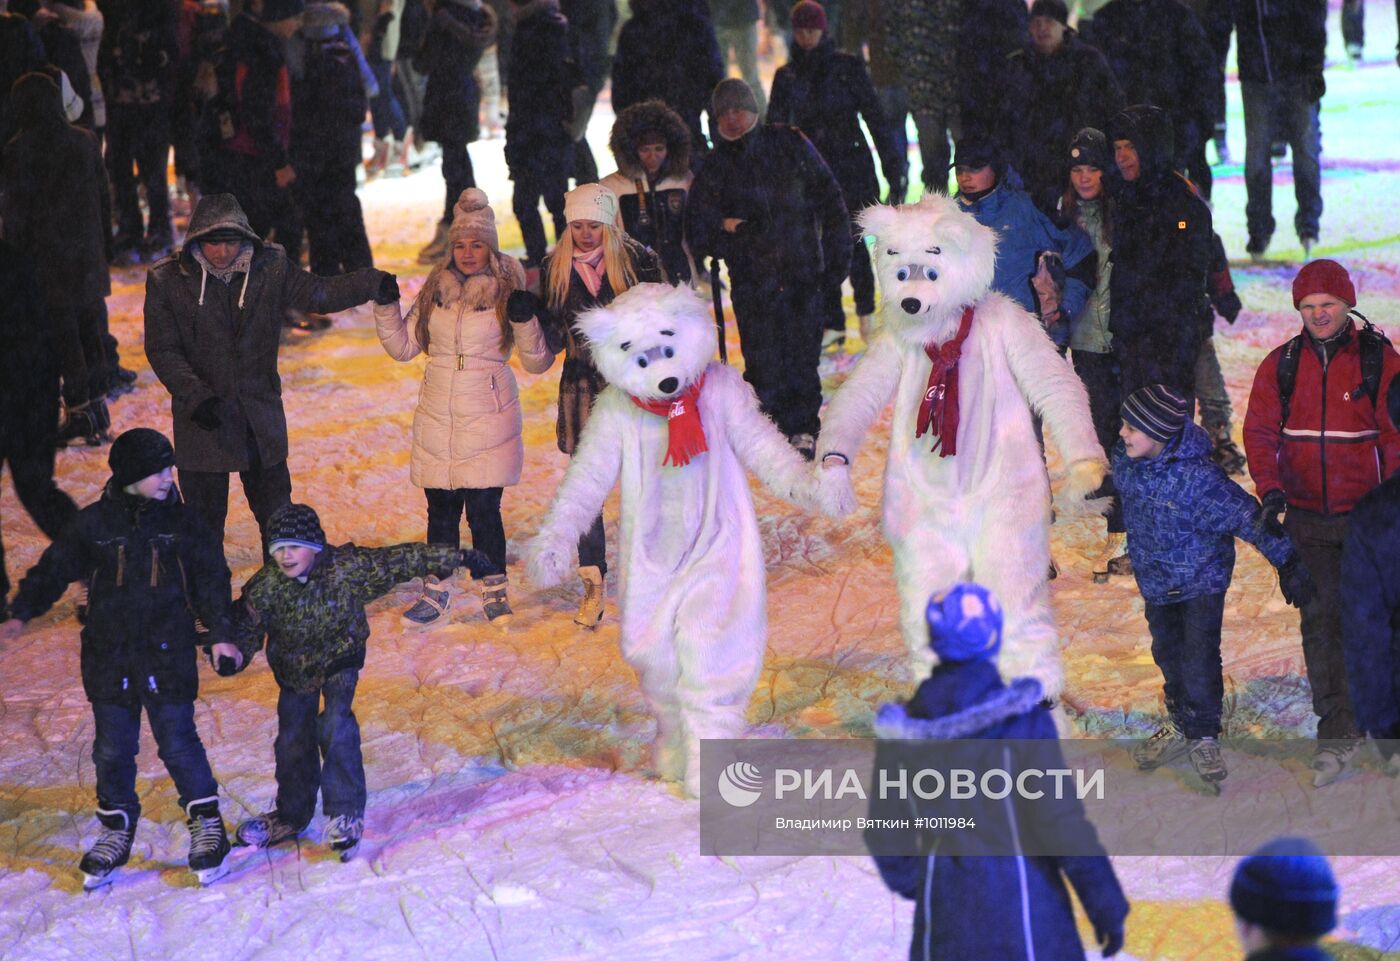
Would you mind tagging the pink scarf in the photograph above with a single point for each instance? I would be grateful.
(587, 266)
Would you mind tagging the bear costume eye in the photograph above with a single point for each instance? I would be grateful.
(668, 352)
(901, 274)
(641, 361)
(930, 273)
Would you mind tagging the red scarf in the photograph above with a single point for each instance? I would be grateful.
(687, 434)
(938, 412)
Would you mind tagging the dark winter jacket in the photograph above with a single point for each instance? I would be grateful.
(591, 24)
(652, 209)
(1159, 52)
(151, 569)
(457, 36)
(1280, 40)
(1183, 514)
(995, 907)
(1048, 100)
(1163, 249)
(20, 52)
(207, 338)
(796, 227)
(53, 197)
(1371, 608)
(319, 628)
(540, 87)
(826, 94)
(28, 359)
(924, 43)
(668, 51)
(1023, 233)
(579, 381)
(252, 114)
(1304, 953)
(1336, 445)
(989, 32)
(139, 52)
(328, 94)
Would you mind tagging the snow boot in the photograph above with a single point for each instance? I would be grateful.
(493, 599)
(1163, 747)
(343, 835)
(430, 607)
(266, 830)
(1208, 761)
(86, 423)
(1330, 759)
(1224, 451)
(110, 851)
(1108, 563)
(436, 248)
(208, 840)
(590, 609)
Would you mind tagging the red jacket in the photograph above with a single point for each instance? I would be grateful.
(1336, 445)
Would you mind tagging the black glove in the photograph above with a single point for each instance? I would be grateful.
(1272, 509)
(224, 666)
(388, 292)
(477, 563)
(521, 306)
(1296, 584)
(1228, 306)
(1110, 939)
(206, 414)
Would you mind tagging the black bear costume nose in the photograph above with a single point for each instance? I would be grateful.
(668, 385)
(911, 305)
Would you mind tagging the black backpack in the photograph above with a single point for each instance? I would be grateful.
(331, 85)
(1373, 343)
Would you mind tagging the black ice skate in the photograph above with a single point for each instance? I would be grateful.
(110, 851)
(343, 835)
(1163, 747)
(267, 829)
(208, 841)
(1208, 762)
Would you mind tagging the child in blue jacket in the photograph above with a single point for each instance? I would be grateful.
(1183, 514)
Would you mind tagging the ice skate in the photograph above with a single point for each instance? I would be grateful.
(208, 840)
(343, 835)
(85, 424)
(1331, 759)
(266, 830)
(1224, 452)
(1163, 747)
(1208, 761)
(1108, 562)
(110, 851)
(590, 609)
(493, 599)
(1308, 243)
(430, 607)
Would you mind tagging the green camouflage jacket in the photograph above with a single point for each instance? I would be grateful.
(316, 629)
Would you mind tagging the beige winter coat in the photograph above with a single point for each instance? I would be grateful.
(466, 430)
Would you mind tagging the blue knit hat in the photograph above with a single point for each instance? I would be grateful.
(1157, 411)
(964, 624)
(1286, 887)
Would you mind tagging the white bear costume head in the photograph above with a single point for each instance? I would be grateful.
(653, 341)
(933, 259)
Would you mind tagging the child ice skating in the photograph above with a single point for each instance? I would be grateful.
(150, 571)
(309, 601)
(681, 434)
(1183, 514)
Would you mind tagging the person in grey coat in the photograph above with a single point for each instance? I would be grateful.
(213, 325)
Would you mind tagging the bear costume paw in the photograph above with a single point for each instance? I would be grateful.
(836, 496)
(548, 564)
(1084, 479)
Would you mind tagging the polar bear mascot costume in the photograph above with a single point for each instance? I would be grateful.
(966, 497)
(682, 433)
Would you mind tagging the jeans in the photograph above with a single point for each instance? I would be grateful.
(1210, 389)
(266, 488)
(780, 333)
(335, 222)
(118, 739)
(410, 85)
(385, 109)
(31, 473)
(82, 354)
(1186, 646)
(742, 41)
(526, 204)
(1318, 538)
(457, 173)
(1354, 23)
(1099, 372)
(1298, 117)
(319, 751)
(934, 127)
(593, 546)
(139, 135)
(895, 106)
(483, 509)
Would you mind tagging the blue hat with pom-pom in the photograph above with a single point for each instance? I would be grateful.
(964, 623)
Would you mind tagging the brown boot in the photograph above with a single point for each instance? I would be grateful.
(590, 609)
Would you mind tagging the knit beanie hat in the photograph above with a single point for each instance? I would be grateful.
(1157, 411)
(731, 93)
(591, 202)
(275, 10)
(1286, 887)
(473, 219)
(964, 624)
(808, 15)
(295, 524)
(1090, 148)
(1324, 277)
(137, 454)
(1054, 9)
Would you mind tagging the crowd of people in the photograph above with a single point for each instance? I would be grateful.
(1085, 150)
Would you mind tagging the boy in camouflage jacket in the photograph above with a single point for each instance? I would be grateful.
(309, 602)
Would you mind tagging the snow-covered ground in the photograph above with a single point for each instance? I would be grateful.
(508, 817)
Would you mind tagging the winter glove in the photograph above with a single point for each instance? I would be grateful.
(477, 563)
(1273, 507)
(1110, 939)
(1296, 584)
(521, 306)
(388, 292)
(223, 664)
(206, 414)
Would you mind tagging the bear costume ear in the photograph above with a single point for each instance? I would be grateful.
(877, 221)
(597, 325)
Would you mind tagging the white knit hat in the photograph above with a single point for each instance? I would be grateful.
(473, 219)
(591, 202)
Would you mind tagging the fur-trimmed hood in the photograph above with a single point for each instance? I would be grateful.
(893, 722)
(650, 117)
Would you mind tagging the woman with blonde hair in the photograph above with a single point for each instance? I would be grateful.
(593, 263)
(467, 443)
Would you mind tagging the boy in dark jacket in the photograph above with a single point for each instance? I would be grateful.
(1183, 515)
(986, 906)
(1284, 897)
(150, 571)
(309, 601)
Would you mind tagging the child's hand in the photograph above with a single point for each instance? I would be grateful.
(548, 563)
(226, 659)
(11, 629)
(1296, 584)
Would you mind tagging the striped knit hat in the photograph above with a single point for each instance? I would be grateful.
(1157, 411)
(295, 524)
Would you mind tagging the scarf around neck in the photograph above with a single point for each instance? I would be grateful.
(687, 434)
(587, 267)
(938, 411)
